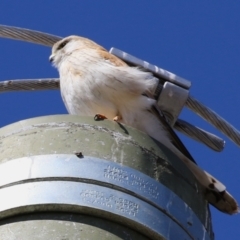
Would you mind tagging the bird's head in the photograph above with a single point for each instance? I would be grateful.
(67, 46)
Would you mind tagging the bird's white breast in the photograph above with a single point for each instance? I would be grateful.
(91, 84)
(83, 88)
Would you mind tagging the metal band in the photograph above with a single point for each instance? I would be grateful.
(171, 101)
(159, 72)
(46, 181)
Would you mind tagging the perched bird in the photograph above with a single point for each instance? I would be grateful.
(94, 81)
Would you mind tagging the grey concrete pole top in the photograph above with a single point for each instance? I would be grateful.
(115, 175)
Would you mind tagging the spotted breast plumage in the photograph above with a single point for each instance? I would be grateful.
(94, 81)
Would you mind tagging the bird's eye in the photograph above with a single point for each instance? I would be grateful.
(62, 45)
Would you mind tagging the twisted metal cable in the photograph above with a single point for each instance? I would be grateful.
(213, 118)
(198, 134)
(29, 85)
(28, 35)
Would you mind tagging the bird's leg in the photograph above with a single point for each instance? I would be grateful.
(99, 117)
(117, 118)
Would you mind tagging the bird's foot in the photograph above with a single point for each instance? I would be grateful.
(117, 118)
(99, 117)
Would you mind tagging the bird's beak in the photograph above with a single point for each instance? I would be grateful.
(51, 58)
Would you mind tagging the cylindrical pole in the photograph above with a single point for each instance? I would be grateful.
(70, 177)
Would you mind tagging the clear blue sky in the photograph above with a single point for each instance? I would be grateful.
(198, 40)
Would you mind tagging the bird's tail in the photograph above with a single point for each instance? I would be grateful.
(214, 191)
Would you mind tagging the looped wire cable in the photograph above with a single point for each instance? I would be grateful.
(214, 119)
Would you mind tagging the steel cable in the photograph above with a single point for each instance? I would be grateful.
(214, 119)
(28, 35)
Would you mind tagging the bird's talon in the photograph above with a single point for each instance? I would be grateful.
(99, 117)
(117, 118)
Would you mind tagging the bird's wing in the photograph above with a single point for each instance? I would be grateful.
(174, 139)
(127, 79)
